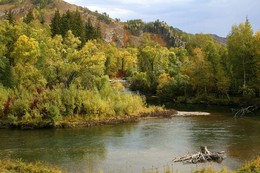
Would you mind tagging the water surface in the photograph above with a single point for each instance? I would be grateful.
(148, 144)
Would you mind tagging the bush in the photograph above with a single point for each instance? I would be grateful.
(53, 113)
(93, 104)
(251, 167)
(139, 82)
(4, 100)
(29, 108)
(20, 103)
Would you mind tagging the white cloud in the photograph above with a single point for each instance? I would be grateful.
(114, 12)
(206, 16)
(153, 2)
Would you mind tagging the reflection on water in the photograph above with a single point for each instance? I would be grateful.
(132, 147)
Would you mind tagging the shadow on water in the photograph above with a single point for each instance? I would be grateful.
(75, 150)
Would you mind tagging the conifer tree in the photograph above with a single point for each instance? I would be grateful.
(29, 17)
(89, 30)
(77, 26)
(10, 16)
(66, 21)
(56, 24)
(98, 34)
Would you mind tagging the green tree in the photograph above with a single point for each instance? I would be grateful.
(81, 66)
(56, 24)
(66, 21)
(25, 55)
(239, 49)
(10, 16)
(199, 72)
(77, 26)
(89, 30)
(29, 17)
(256, 54)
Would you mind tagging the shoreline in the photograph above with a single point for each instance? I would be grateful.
(78, 121)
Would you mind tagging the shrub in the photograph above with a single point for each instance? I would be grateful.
(4, 100)
(68, 100)
(21, 166)
(251, 167)
(139, 82)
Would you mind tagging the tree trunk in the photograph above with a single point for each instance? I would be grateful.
(244, 71)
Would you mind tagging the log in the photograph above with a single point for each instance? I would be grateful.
(204, 150)
(200, 157)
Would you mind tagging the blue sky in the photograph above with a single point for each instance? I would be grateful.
(193, 16)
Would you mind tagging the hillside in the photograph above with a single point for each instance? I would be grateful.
(121, 33)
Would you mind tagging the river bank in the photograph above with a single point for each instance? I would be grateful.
(204, 100)
(16, 166)
(80, 121)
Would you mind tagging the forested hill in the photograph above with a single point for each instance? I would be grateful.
(112, 30)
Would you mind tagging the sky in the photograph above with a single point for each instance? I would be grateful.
(192, 16)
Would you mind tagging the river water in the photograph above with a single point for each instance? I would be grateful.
(146, 145)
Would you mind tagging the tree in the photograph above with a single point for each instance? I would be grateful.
(56, 24)
(140, 82)
(66, 21)
(98, 34)
(29, 17)
(80, 67)
(199, 71)
(89, 30)
(77, 26)
(148, 59)
(25, 55)
(256, 56)
(241, 58)
(26, 51)
(111, 54)
(10, 16)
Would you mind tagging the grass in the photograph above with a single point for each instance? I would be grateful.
(19, 166)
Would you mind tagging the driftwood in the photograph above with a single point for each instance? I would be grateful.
(203, 156)
(245, 110)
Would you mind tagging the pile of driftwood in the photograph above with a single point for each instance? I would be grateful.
(203, 156)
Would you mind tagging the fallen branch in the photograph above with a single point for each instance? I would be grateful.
(242, 111)
(203, 156)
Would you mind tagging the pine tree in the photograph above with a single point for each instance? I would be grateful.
(10, 16)
(89, 30)
(66, 22)
(77, 26)
(56, 24)
(29, 17)
(98, 34)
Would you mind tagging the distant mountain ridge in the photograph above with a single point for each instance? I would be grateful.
(121, 33)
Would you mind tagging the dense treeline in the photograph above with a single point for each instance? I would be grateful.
(51, 72)
(45, 78)
(72, 21)
(203, 69)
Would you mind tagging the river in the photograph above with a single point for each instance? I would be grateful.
(148, 144)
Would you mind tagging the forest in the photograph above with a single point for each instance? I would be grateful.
(50, 72)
